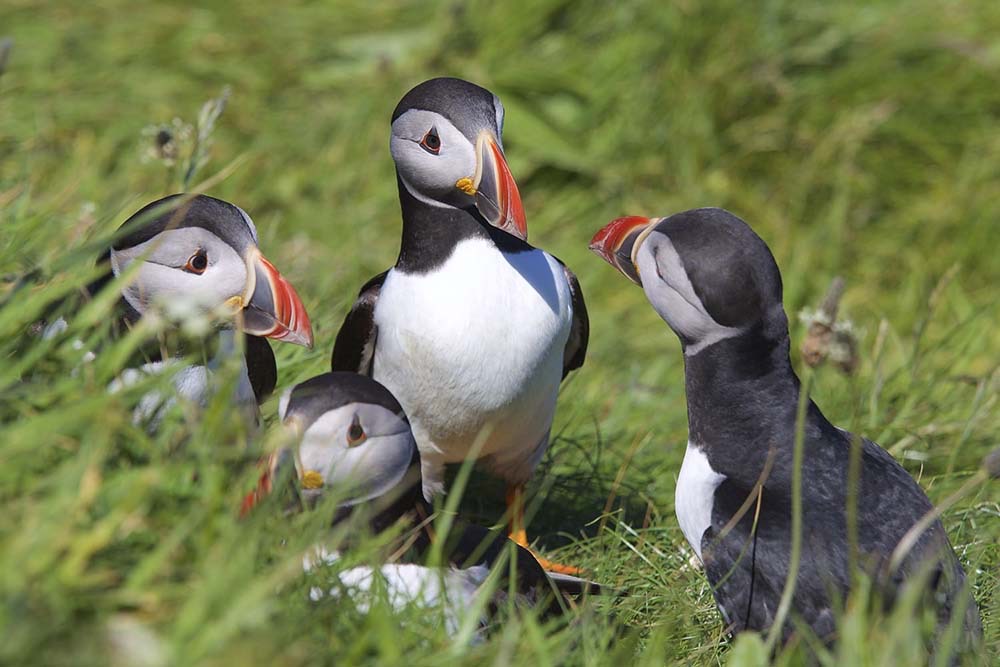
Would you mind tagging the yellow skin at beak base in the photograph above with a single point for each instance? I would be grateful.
(466, 185)
(312, 480)
(469, 184)
(235, 303)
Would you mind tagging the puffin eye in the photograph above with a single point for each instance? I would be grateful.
(197, 263)
(355, 434)
(431, 142)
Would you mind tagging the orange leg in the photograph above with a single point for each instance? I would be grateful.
(515, 505)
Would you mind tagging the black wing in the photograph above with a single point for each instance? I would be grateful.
(261, 367)
(747, 572)
(579, 333)
(354, 348)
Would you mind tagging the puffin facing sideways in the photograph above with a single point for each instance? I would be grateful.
(472, 329)
(717, 285)
(203, 251)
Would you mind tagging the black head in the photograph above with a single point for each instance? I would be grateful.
(223, 220)
(468, 107)
(705, 271)
(309, 400)
(447, 146)
(204, 251)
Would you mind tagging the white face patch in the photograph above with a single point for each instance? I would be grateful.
(363, 470)
(695, 496)
(429, 177)
(162, 275)
(669, 290)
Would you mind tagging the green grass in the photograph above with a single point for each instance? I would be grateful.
(858, 138)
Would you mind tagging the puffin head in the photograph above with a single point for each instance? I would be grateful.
(204, 250)
(353, 437)
(447, 145)
(705, 271)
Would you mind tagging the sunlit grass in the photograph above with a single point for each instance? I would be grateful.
(859, 139)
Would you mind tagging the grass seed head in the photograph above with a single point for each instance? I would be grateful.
(826, 338)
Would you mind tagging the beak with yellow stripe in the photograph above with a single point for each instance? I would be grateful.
(203, 251)
(447, 143)
(270, 306)
(494, 189)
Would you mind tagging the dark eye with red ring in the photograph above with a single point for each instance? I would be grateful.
(197, 263)
(431, 142)
(355, 434)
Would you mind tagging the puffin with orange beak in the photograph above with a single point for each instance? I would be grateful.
(203, 252)
(715, 283)
(472, 329)
(350, 439)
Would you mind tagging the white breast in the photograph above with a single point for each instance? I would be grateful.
(195, 384)
(476, 346)
(452, 591)
(694, 496)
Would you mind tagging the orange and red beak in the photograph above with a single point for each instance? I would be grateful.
(494, 189)
(272, 470)
(273, 309)
(618, 241)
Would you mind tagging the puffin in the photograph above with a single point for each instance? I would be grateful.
(472, 329)
(200, 254)
(715, 283)
(354, 443)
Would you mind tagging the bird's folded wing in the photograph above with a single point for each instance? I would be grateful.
(354, 348)
(579, 333)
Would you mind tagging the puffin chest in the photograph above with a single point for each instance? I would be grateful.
(481, 329)
(695, 495)
(454, 591)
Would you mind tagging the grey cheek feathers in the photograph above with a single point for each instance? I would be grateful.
(419, 197)
(674, 294)
(389, 466)
(131, 292)
(160, 273)
(421, 172)
(371, 469)
(397, 148)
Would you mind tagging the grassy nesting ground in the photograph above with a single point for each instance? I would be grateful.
(859, 139)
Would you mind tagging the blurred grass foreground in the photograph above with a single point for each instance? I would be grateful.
(860, 139)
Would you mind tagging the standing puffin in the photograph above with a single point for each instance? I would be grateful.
(716, 284)
(354, 442)
(203, 251)
(472, 329)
